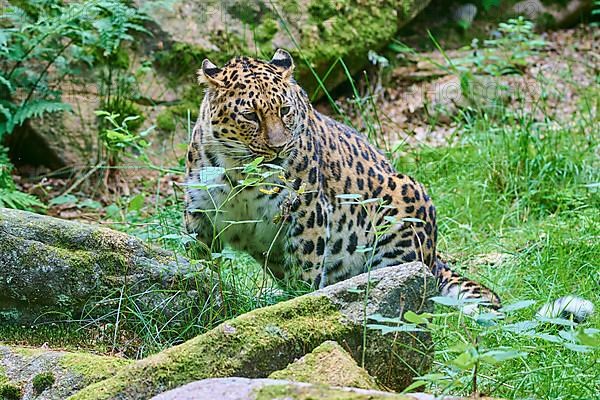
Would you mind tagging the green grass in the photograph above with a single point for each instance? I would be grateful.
(528, 191)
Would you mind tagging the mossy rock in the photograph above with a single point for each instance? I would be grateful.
(268, 339)
(272, 389)
(55, 267)
(316, 32)
(43, 374)
(328, 364)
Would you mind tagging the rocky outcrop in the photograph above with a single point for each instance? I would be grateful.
(53, 265)
(317, 33)
(265, 340)
(42, 374)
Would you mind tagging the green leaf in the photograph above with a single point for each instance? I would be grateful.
(545, 336)
(208, 175)
(464, 361)
(35, 108)
(381, 318)
(64, 199)
(415, 220)
(415, 318)
(454, 302)
(414, 386)
(557, 321)
(497, 356)
(253, 166)
(7, 83)
(578, 347)
(520, 327)
(385, 329)
(459, 347)
(113, 211)
(588, 337)
(348, 196)
(89, 203)
(136, 203)
(519, 305)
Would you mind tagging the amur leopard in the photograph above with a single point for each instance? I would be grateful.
(321, 224)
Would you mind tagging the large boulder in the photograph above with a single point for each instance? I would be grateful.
(42, 374)
(317, 33)
(272, 389)
(49, 265)
(265, 340)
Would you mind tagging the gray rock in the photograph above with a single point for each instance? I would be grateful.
(71, 371)
(557, 14)
(265, 340)
(48, 264)
(271, 389)
(464, 14)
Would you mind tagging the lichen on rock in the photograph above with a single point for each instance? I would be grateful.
(43, 374)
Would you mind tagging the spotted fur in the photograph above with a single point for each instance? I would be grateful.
(254, 108)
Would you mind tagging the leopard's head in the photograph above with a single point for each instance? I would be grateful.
(254, 108)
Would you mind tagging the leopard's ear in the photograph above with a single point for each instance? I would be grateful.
(209, 74)
(284, 61)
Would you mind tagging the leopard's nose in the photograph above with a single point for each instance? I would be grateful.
(278, 149)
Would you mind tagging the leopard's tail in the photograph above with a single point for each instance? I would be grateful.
(453, 285)
(567, 307)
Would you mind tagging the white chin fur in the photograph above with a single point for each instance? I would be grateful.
(567, 306)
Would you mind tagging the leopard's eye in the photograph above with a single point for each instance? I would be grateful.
(284, 110)
(251, 116)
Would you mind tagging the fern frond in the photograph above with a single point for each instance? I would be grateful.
(35, 109)
(6, 82)
(19, 200)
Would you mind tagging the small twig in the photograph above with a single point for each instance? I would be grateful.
(83, 178)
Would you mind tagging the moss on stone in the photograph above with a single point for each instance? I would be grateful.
(320, 392)
(244, 346)
(165, 121)
(42, 381)
(92, 367)
(27, 351)
(324, 31)
(3, 377)
(10, 391)
(328, 364)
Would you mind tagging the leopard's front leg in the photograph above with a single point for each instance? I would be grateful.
(306, 245)
(198, 223)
